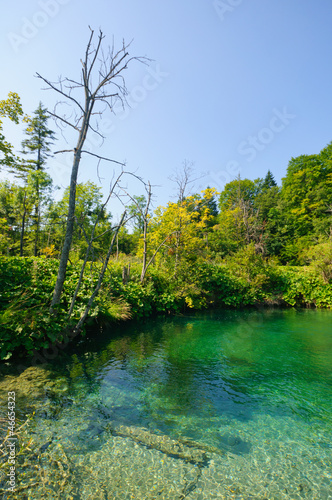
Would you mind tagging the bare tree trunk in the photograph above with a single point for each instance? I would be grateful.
(49, 237)
(95, 84)
(100, 280)
(90, 248)
(145, 218)
(156, 251)
(183, 179)
(37, 218)
(178, 234)
(69, 230)
(145, 251)
(23, 225)
(37, 209)
(145, 230)
(125, 275)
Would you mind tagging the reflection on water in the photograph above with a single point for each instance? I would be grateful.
(250, 390)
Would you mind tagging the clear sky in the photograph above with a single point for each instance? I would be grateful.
(234, 86)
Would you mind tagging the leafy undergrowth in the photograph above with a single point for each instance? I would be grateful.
(26, 287)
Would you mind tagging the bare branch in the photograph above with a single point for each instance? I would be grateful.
(101, 276)
(100, 38)
(57, 117)
(73, 83)
(103, 158)
(53, 87)
(99, 178)
(85, 65)
(90, 243)
(96, 131)
(64, 151)
(184, 178)
(158, 248)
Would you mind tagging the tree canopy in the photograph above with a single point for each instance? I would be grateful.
(9, 108)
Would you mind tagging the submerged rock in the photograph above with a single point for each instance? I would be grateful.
(234, 444)
(32, 384)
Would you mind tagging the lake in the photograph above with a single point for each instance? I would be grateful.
(220, 404)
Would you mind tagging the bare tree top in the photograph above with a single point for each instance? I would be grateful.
(184, 178)
(101, 83)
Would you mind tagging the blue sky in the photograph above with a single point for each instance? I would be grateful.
(234, 86)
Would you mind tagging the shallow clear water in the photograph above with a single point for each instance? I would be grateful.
(252, 390)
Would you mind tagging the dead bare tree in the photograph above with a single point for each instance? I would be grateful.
(145, 232)
(144, 214)
(90, 240)
(101, 277)
(183, 178)
(101, 83)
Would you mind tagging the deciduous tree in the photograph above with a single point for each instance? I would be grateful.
(9, 108)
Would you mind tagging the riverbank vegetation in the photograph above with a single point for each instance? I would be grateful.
(254, 243)
(65, 262)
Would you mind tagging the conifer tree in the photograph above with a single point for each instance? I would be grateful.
(39, 139)
(37, 146)
(269, 181)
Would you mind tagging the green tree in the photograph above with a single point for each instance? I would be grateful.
(8, 220)
(88, 208)
(269, 181)
(15, 209)
(307, 193)
(267, 207)
(9, 108)
(208, 203)
(39, 140)
(320, 258)
(40, 197)
(237, 191)
(178, 231)
(136, 212)
(37, 146)
(238, 221)
(212, 205)
(126, 243)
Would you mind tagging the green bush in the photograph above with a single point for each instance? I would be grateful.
(246, 279)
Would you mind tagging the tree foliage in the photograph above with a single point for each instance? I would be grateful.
(39, 139)
(9, 108)
(307, 192)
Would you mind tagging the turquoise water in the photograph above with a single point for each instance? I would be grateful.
(252, 390)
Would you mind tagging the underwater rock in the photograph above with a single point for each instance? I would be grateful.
(45, 446)
(234, 444)
(33, 383)
(92, 430)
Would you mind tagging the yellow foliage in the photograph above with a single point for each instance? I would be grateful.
(49, 251)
